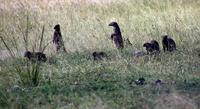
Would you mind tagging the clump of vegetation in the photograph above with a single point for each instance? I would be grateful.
(28, 71)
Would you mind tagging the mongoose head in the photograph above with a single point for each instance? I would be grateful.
(164, 37)
(28, 54)
(57, 27)
(114, 24)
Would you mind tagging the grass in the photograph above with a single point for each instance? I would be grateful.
(74, 80)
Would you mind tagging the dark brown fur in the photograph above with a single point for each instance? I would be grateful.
(149, 47)
(168, 44)
(35, 56)
(140, 81)
(152, 47)
(116, 36)
(156, 46)
(57, 39)
(99, 55)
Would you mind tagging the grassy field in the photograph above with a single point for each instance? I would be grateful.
(73, 80)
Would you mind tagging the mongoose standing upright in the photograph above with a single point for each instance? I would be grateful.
(116, 36)
(57, 39)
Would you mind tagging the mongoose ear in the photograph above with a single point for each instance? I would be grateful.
(165, 36)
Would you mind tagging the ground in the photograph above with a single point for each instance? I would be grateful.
(74, 80)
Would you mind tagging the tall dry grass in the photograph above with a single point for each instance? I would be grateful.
(76, 81)
(85, 26)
